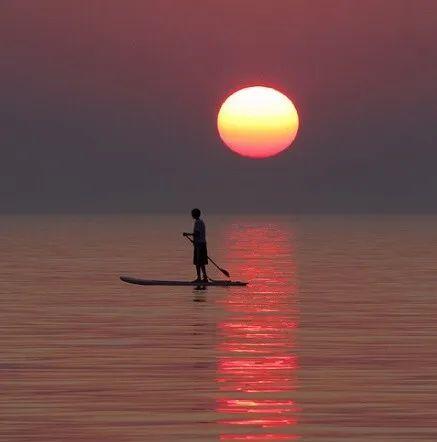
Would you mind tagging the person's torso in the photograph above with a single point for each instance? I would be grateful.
(199, 231)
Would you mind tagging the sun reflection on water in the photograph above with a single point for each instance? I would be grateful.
(257, 366)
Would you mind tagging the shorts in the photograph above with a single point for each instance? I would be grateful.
(200, 256)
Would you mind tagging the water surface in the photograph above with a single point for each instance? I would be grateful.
(334, 339)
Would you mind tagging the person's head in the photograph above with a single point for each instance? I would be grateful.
(195, 213)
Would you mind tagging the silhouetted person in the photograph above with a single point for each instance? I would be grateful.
(200, 257)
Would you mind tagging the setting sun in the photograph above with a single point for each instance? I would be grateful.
(258, 122)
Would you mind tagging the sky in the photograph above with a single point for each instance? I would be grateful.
(111, 106)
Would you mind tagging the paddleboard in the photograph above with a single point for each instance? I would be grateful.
(220, 283)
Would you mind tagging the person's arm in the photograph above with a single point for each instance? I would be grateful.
(196, 229)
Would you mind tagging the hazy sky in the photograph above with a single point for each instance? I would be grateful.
(111, 105)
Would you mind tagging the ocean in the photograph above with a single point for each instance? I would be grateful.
(334, 339)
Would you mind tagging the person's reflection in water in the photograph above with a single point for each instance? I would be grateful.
(199, 294)
(257, 365)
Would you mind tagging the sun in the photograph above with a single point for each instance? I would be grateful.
(258, 122)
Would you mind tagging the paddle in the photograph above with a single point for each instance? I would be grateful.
(225, 272)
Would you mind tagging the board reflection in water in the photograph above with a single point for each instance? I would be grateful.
(257, 365)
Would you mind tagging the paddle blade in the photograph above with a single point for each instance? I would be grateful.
(225, 272)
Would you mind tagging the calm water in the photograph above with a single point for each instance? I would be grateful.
(335, 339)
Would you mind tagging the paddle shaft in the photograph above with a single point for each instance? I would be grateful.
(224, 271)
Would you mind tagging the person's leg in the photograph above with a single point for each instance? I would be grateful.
(203, 268)
(203, 258)
(196, 262)
(198, 272)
